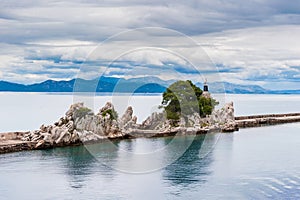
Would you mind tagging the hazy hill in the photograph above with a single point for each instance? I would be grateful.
(136, 85)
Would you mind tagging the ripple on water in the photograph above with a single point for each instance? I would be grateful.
(285, 186)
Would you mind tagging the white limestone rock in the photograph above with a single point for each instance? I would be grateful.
(155, 121)
(127, 121)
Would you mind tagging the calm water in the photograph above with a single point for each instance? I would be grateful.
(257, 163)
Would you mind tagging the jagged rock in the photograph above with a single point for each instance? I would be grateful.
(127, 115)
(107, 107)
(62, 134)
(134, 119)
(75, 137)
(43, 128)
(223, 115)
(194, 120)
(87, 136)
(225, 118)
(80, 124)
(70, 126)
(36, 137)
(55, 132)
(48, 139)
(182, 122)
(155, 121)
(102, 124)
(127, 121)
(40, 143)
(219, 118)
(73, 108)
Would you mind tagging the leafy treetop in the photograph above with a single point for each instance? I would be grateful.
(184, 98)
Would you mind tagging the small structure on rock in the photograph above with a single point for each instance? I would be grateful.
(206, 93)
(80, 125)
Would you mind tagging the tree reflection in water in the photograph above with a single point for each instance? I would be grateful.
(189, 169)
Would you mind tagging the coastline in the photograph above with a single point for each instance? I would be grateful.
(12, 141)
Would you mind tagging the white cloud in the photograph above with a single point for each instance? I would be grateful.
(249, 41)
(267, 52)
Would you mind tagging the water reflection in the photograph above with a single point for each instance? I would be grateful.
(106, 155)
(80, 163)
(141, 156)
(189, 169)
(147, 155)
(76, 162)
(259, 163)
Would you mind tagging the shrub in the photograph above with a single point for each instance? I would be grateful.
(112, 113)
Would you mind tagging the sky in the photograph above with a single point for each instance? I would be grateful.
(246, 42)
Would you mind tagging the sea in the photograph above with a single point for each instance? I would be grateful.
(253, 163)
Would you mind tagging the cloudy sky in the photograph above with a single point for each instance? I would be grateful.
(246, 42)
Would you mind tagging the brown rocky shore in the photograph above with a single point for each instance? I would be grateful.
(80, 126)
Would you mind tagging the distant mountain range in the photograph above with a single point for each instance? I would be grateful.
(136, 85)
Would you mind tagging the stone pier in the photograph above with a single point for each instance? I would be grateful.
(265, 120)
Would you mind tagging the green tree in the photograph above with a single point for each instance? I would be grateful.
(184, 98)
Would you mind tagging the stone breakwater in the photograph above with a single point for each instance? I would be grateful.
(269, 119)
(13, 142)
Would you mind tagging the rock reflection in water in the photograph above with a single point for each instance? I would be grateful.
(77, 163)
(82, 162)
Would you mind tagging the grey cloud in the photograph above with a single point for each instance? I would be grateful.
(222, 25)
(95, 20)
(282, 76)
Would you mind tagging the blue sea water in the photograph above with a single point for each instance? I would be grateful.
(255, 163)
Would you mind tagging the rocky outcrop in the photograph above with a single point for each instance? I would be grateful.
(156, 121)
(223, 115)
(61, 133)
(222, 119)
(103, 124)
(128, 121)
(80, 125)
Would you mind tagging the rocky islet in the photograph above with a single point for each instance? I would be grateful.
(81, 125)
